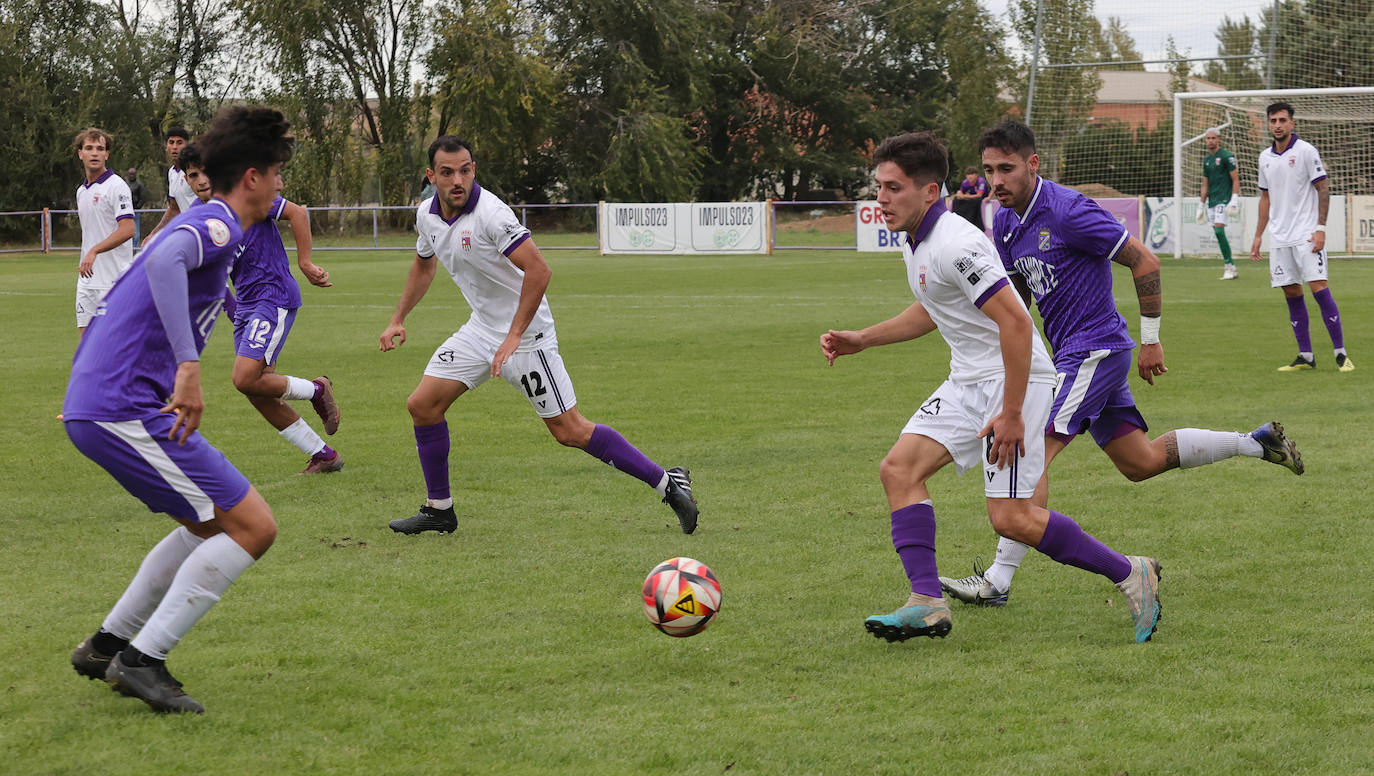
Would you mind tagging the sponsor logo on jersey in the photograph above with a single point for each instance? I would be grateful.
(467, 239)
(963, 264)
(219, 231)
(1044, 241)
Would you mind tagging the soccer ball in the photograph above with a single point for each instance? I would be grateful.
(681, 597)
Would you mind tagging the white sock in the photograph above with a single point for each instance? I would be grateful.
(439, 503)
(202, 579)
(1341, 352)
(149, 585)
(298, 388)
(662, 486)
(1199, 447)
(1306, 354)
(302, 436)
(1009, 555)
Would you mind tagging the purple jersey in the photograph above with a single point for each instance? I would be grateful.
(263, 272)
(125, 368)
(1063, 249)
(979, 187)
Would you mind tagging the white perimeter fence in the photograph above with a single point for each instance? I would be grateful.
(721, 227)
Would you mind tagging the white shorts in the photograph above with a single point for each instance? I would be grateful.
(1217, 215)
(956, 412)
(87, 300)
(539, 374)
(1295, 264)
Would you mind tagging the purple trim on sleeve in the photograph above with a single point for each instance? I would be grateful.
(511, 248)
(927, 223)
(166, 269)
(994, 288)
(123, 216)
(1319, 178)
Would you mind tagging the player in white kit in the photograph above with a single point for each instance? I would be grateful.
(1294, 198)
(106, 211)
(180, 195)
(510, 335)
(1001, 383)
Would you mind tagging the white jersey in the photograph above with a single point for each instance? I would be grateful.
(474, 247)
(953, 269)
(179, 189)
(1288, 176)
(101, 206)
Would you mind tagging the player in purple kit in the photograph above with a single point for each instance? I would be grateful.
(968, 200)
(988, 412)
(134, 403)
(1058, 246)
(268, 297)
(510, 335)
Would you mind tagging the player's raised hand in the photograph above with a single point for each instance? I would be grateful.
(186, 401)
(315, 274)
(503, 353)
(390, 334)
(1006, 438)
(840, 343)
(1151, 362)
(87, 266)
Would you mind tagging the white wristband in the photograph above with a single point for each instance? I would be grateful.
(1149, 331)
(1320, 228)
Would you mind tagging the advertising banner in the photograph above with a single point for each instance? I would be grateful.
(684, 227)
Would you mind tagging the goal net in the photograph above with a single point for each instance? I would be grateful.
(1338, 122)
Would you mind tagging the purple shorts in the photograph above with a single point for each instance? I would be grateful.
(260, 330)
(1094, 394)
(185, 481)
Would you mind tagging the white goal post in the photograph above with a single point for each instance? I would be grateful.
(1244, 110)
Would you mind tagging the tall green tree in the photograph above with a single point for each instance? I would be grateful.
(372, 47)
(1237, 38)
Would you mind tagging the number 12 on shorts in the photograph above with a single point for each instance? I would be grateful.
(533, 384)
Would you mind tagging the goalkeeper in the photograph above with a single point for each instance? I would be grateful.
(1220, 187)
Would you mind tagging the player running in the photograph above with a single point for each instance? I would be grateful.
(1294, 198)
(510, 335)
(1058, 245)
(106, 211)
(142, 346)
(1001, 383)
(265, 301)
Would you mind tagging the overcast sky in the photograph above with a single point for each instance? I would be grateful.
(1193, 23)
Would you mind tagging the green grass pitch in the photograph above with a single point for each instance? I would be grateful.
(517, 645)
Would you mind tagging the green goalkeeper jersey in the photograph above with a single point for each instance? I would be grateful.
(1217, 168)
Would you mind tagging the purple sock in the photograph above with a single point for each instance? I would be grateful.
(1069, 544)
(913, 534)
(432, 443)
(325, 454)
(608, 446)
(1331, 316)
(1297, 315)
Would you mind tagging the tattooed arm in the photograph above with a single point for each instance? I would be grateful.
(1144, 267)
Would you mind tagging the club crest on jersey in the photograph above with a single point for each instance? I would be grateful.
(921, 277)
(467, 239)
(219, 231)
(1044, 242)
(1292, 161)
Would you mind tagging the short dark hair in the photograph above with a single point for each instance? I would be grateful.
(243, 138)
(1278, 106)
(1008, 135)
(448, 144)
(180, 132)
(970, 170)
(190, 156)
(90, 132)
(921, 155)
